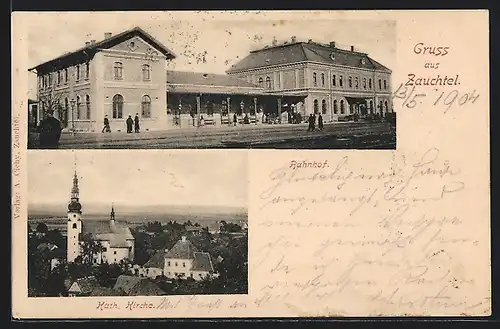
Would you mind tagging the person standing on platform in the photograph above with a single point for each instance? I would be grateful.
(136, 123)
(311, 122)
(130, 124)
(50, 131)
(106, 127)
(320, 122)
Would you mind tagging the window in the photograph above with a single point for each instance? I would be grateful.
(183, 264)
(322, 79)
(168, 264)
(78, 107)
(316, 106)
(58, 77)
(385, 84)
(65, 75)
(370, 83)
(50, 79)
(114, 252)
(87, 70)
(364, 83)
(335, 109)
(341, 82)
(379, 84)
(315, 79)
(77, 72)
(356, 82)
(146, 73)
(146, 106)
(261, 82)
(176, 265)
(342, 109)
(117, 106)
(74, 225)
(104, 249)
(350, 82)
(118, 69)
(334, 80)
(87, 104)
(323, 106)
(268, 82)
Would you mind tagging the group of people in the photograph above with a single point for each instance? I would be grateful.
(131, 124)
(312, 122)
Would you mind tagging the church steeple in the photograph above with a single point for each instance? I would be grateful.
(74, 205)
(112, 214)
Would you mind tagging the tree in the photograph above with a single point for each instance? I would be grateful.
(55, 237)
(42, 228)
(50, 99)
(90, 247)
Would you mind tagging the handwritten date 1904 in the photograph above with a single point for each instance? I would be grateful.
(411, 99)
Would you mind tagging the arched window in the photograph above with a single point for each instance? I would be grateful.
(379, 84)
(316, 106)
(322, 79)
(323, 106)
(350, 82)
(385, 84)
(342, 108)
(117, 106)
(87, 103)
(335, 109)
(315, 79)
(146, 72)
(77, 72)
(341, 81)
(78, 107)
(334, 80)
(370, 83)
(58, 77)
(364, 83)
(65, 75)
(356, 82)
(146, 106)
(74, 225)
(118, 70)
(261, 82)
(268, 82)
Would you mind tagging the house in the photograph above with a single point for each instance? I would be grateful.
(105, 291)
(333, 81)
(137, 286)
(184, 260)
(83, 286)
(115, 238)
(194, 230)
(154, 266)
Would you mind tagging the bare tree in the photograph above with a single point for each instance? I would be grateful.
(50, 99)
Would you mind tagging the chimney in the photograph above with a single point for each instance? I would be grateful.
(352, 48)
(87, 43)
(275, 42)
(332, 44)
(310, 40)
(92, 42)
(107, 35)
(294, 39)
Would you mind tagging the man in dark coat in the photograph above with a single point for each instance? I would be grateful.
(50, 131)
(136, 123)
(312, 120)
(130, 123)
(235, 119)
(106, 125)
(320, 122)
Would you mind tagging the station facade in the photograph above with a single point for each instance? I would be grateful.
(125, 75)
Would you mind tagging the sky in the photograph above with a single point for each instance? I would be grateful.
(139, 177)
(224, 38)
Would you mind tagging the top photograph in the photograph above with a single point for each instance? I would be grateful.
(162, 83)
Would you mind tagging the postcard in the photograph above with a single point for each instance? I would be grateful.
(243, 164)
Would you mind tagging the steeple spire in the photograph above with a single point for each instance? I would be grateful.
(74, 205)
(112, 215)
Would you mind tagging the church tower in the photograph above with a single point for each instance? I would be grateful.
(74, 222)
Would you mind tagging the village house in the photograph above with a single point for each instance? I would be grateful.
(83, 286)
(137, 286)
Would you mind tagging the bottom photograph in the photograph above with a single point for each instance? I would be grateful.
(137, 223)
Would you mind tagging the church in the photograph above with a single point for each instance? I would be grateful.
(116, 240)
